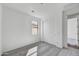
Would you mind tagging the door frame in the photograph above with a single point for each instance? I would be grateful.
(71, 9)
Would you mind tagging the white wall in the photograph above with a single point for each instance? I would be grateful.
(52, 14)
(53, 26)
(53, 20)
(0, 28)
(17, 29)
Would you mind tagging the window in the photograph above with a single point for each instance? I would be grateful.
(34, 27)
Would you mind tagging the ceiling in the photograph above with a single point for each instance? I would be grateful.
(37, 9)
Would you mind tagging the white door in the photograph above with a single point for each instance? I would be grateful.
(72, 30)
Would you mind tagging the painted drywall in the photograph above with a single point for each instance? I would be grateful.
(52, 17)
(72, 31)
(0, 28)
(53, 26)
(16, 29)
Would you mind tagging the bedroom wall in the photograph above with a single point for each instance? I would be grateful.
(17, 29)
(52, 14)
(53, 26)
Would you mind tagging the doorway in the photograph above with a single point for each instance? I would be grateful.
(72, 32)
(70, 14)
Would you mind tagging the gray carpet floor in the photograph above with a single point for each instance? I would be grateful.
(44, 49)
(20, 51)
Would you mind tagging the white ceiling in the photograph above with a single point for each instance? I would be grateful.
(40, 10)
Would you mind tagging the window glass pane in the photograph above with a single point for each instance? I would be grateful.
(34, 28)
